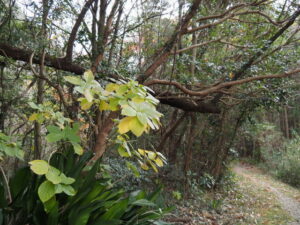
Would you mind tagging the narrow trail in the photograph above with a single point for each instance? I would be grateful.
(283, 194)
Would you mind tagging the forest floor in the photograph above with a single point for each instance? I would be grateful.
(255, 198)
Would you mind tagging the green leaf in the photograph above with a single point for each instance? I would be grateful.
(77, 148)
(122, 89)
(39, 167)
(70, 133)
(46, 191)
(53, 175)
(123, 152)
(54, 137)
(144, 202)
(133, 169)
(73, 80)
(53, 129)
(33, 105)
(55, 134)
(69, 190)
(66, 180)
(58, 189)
(116, 211)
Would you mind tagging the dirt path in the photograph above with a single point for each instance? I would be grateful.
(285, 195)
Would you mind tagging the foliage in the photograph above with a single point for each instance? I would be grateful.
(279, 155)
(10, 148)
(48, 111)
(177, 195)
(287, 162)
(207, 181)
(137, 106)
(95, 200)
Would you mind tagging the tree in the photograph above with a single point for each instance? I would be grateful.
(213, 55)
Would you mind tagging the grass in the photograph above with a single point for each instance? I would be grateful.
(246, 203)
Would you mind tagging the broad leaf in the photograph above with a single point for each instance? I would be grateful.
(136, 127)
(124, 125)
(53, 175)
(77, 148)
(46, 191)
(39, 167)
(73, 80)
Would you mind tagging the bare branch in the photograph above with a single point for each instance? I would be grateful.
(216, 88)
(162, 54)
(195, 46)
(74, 31)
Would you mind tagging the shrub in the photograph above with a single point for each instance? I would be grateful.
(288, 162)
(95, 202)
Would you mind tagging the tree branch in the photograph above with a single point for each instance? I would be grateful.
(195, 46)
(216, 88)
(74, 31)
(51, 61)
(162, 54)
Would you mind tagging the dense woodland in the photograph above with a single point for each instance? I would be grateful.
(101, 98)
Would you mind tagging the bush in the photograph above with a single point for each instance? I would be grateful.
(281, 156)
(96, 201)
(288, 163)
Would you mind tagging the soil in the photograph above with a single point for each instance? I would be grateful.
(291, 205)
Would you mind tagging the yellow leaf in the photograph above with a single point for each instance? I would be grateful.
(159, 162)
(142, 152)
(47, 115)
(151, 155)
(33, 117)
(231, 75)
(85, 104)
(153, 166)
(124, 125)
(138, 99)
(114, 104)
(104, 105)
(112, 87)
(144, 166)
(136, 127)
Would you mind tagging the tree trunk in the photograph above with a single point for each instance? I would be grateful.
(104, 131)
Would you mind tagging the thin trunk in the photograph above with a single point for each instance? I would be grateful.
(94, 30)
(37, 125)
(169, 131)
(174, 146)
(194, 54)
(195, 130)
(41, 83)
(3, 107)
(115, 35)
(286, 122)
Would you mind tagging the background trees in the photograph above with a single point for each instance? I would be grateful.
(210, 64)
